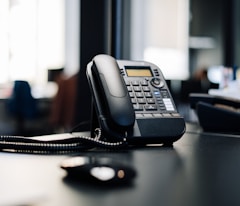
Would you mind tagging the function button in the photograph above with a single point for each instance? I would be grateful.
(176, 115)
(157, 115)
(169, 108)
(167, 115)
(148, 115)
(157, 82)
(164, 93)
(157, 93)
(167, 101)
(168, 104)
(156, 72)
(162, 108)
(162, 105)
(160, 101)
(138, 116)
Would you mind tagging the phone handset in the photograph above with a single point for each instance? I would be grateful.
(117, 107)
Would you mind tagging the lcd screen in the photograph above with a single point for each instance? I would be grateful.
(138, 72)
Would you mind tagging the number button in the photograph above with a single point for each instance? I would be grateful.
(146, 89)
(129, 88)
(141, 101)
(150, 101)
(134, 101)
(137, 107)
(148, 94)
(139, 94)
(150, 107)
(137, 88)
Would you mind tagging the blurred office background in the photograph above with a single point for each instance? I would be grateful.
(49, 43)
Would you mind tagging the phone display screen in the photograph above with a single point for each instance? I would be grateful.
(138, 71)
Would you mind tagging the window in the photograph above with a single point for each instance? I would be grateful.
(32, 39)
(160, 35)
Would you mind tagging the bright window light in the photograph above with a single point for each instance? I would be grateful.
(31, 38)
(160, 35)
(172, 62)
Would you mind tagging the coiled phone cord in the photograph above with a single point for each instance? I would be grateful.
(70, 144)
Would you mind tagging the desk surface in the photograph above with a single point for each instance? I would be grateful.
(200, 170)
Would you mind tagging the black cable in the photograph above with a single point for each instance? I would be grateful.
(72, 144)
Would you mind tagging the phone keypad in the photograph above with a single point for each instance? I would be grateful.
(149, 101)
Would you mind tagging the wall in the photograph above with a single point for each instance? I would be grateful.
(237, 32)
(207, 20)
(219, 20)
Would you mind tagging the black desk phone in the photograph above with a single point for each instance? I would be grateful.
(132, 102)
(216, 113)
(131, 105)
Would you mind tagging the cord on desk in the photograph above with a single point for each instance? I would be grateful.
(72, 144)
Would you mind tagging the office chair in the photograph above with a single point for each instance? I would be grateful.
(21, 105)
